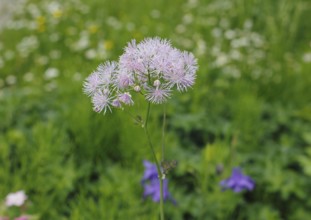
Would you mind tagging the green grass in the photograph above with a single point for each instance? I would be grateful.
(250, 107)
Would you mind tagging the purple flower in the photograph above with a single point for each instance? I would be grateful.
(106, 71)
(116, 103)
(150, 171)
(153, 190)
(158, 95)
(151, 183)
(101, 101)
(238, 182)
(126, 98)
(99, 79)
(152, 67)
(92, 84)
(123, 80)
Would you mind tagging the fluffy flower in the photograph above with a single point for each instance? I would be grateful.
(151, 183)
(99, 79)
(116, 103)
(16, 199)
(152, 67)
(126, 98)
(106, 71)
(238, 182)
(123, 80)
(92, 84)
(101, 101)
(157, 95)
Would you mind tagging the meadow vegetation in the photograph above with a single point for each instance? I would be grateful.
(250, 108)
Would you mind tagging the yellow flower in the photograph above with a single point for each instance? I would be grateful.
(40, 20)
(93, 28)
(40, 23)
(108, 44)
(57, 13)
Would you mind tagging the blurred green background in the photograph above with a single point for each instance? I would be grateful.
(250, 107)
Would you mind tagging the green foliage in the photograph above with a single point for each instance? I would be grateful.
(250, 107)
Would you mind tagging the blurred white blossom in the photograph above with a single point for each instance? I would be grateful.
(180, 28)
(77, 76)
(27, 45)
(306, 57)
(33, 10)
(55, 54)
(54, 37)
(16, 199)
(9, 55)
(114, 23)
(11, 79)
(50, 86)
(51, 73)
(28, 77)
(82, 43)
(42, 60)
(90, 54)
(155, 13)
(187, 18)
(1, 62)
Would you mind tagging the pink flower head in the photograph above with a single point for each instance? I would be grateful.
(152, 67)
(126, 98)
(116, 103)
(22, 217)
(101, 101)
(123, 80)
(99, 79)
(92, 84)
(158, 95)
(16, 199)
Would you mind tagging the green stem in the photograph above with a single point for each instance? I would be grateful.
(157, 163)
(163, 132)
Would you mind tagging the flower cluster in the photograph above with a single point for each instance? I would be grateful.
(17, 199)
(151, 183)
(152, 68)
(238, 182)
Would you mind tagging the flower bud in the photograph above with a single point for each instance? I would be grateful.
(137, 88)
(156, 83)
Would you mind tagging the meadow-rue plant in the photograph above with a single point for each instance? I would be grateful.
(238, 181)
(152, 68)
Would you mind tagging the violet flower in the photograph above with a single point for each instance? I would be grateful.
(238, 182)
(151, 183)
(150, 171)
